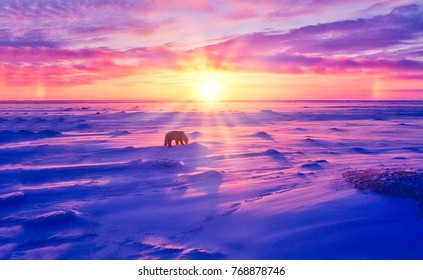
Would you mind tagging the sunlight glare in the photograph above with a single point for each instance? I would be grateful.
(208, 89)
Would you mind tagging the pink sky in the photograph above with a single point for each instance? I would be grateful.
(175, 50)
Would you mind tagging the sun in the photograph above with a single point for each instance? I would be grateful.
(208, 89)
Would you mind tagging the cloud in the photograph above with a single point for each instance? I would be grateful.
(387, 45)
(58, 9)
(71, 22)
(58, 75)
(390, 42)
(36, 9)
(46, 55)
(400, 27)
(32, 38)
(59, 67)
(295, 64)
(89, 22)
(403, 26)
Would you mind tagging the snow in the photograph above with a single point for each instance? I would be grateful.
(258, 180)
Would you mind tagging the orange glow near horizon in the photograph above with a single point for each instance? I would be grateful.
(211, 85)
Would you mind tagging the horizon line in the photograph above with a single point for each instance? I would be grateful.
(199, 101)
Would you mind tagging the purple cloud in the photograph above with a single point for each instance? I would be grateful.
(391, 42)
(32, 38)
(403, 26)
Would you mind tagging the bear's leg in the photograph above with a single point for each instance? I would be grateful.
(167, 141)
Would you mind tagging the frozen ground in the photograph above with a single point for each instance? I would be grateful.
(259, 180)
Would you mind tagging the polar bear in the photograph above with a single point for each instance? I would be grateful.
(179, 136)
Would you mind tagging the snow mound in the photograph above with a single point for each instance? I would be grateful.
(397, 183)
(52, 218)
(11, 197)
(334, 129)
(313, 166)
(263, 135)
(209, 176)
(197, 147)
(275, 154)
(272, 152)
(310, 140)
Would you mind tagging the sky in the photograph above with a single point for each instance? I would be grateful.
(211, 50)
